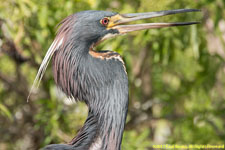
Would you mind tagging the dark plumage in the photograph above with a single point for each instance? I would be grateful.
(100, 82)
(97, 78)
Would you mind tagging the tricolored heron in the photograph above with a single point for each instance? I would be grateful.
(97, 78)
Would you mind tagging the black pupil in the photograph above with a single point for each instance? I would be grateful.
(105, 21)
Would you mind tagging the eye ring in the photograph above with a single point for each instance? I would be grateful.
(105, 21)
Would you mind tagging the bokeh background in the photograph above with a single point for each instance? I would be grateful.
(176, 75)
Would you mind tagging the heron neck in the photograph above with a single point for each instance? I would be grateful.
(102, 131)
(103, 85)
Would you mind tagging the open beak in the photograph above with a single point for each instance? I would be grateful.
(116, 21)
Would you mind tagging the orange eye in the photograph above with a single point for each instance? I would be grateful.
(105, 21)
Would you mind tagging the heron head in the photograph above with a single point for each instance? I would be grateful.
(96, 26)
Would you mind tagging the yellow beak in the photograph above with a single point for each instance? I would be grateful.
(116, 21)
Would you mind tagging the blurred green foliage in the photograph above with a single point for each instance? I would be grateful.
(177, 75)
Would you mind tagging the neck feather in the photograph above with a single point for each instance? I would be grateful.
(100, 133)
(103, 85)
